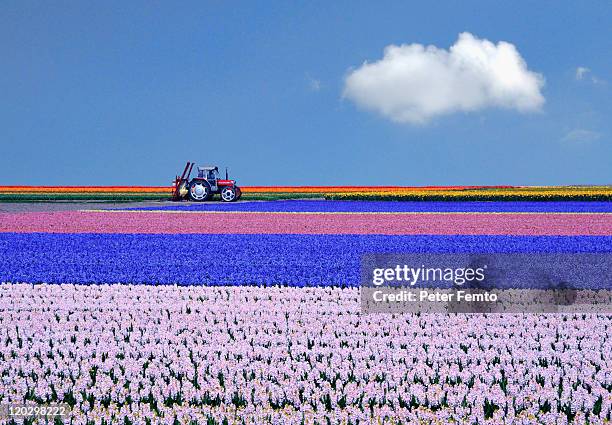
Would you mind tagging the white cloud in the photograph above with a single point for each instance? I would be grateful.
(413, 83)
(580, 135)
(581, 71)
(313, 83)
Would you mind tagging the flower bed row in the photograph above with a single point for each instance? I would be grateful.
(133, 354)
(329, 206)
(427, 193)
(596, 193)
(305, 223)
(192, 259)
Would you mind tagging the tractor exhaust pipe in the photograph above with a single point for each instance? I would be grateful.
(226, 177)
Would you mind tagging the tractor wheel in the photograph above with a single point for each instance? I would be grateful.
(238, 193)
(228, 194)
(199, 191)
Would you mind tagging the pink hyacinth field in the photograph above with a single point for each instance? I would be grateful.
(214, 222)
(294, 355)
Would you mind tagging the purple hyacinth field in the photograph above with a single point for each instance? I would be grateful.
(190, 326)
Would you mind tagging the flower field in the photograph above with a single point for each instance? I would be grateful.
(318, 206)
(370, 193)
(306, 223)
(250, 313)
(533, 193)
(76, 193)
(295, 260)
(287, 355)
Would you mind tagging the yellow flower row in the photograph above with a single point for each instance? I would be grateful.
(526, 193)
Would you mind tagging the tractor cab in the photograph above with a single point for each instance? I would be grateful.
(211, 174)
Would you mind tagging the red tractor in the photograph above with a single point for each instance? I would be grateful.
(204, 186)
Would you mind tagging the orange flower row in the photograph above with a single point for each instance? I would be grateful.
(84, 189)
(246, 189)
(356, 189)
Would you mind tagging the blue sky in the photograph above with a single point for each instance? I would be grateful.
(126, 92)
